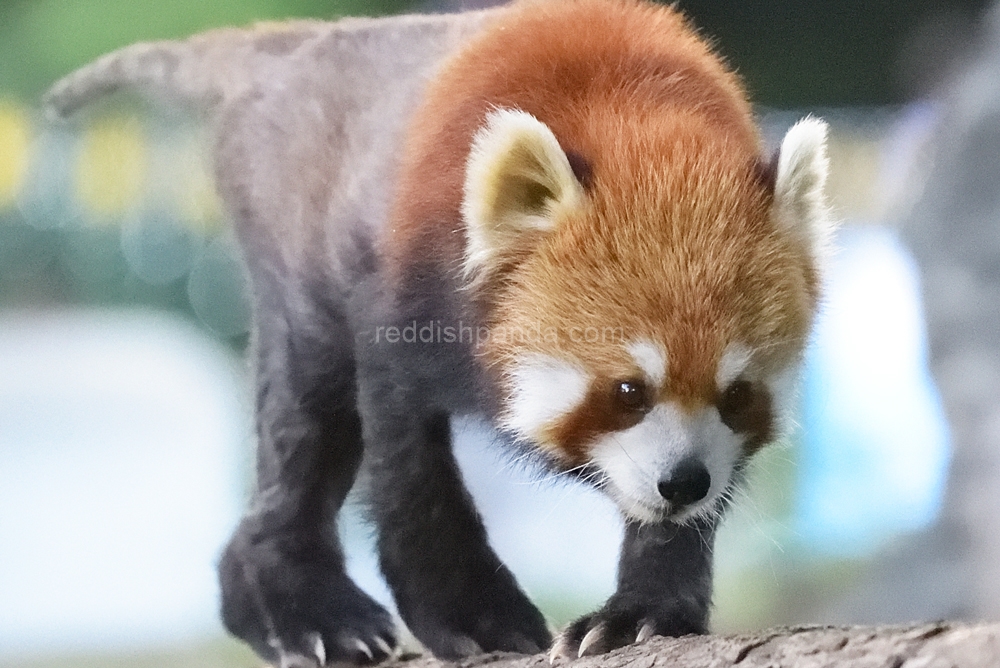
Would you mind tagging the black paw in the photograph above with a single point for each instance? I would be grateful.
(455, 624)
(623, 622)
(294, 604)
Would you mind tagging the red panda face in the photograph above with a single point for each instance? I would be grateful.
(649, 325)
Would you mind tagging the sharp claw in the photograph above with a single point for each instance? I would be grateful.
(319, 648)
(645, 633)
(384, 646)
(594, 636)
(363, 648)
(560, 649)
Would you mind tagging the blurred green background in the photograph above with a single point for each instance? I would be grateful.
(792, 53)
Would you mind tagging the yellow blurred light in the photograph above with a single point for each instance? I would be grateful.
(111, 166)
(199, 203)
(15, 142)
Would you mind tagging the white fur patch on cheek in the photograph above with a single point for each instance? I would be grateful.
(734, 361)
(635, 460)
(651, 358)
(542, 389)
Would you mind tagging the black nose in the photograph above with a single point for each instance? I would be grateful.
(688, 483)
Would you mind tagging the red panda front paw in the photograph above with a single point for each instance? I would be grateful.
(621, 623)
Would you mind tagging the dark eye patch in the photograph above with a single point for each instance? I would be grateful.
(745, 407)
(610, 405)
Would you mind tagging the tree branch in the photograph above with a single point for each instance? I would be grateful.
(937, 645)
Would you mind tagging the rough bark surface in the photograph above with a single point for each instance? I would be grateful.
(937, 645)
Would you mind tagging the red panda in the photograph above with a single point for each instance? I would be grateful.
(625, 281)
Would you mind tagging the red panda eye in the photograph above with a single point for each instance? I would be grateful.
(631, 395)
(735, 402)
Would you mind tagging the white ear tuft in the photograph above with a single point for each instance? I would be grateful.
(517, 180)
(798, 191)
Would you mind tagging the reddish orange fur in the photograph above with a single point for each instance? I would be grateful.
(675, 242)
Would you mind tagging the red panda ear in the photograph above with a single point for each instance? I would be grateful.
(800, 203)
(518, 180)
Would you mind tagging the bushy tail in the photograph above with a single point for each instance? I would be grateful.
(200, 71)
(219, 65)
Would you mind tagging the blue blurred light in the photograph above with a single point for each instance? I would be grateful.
(875, 444)
(120, 442)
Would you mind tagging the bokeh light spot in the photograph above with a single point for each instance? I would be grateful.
(111, 166)
(15, 140)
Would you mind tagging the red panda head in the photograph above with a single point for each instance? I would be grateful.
(647, 312)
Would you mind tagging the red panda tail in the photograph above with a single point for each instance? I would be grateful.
(200, 71)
